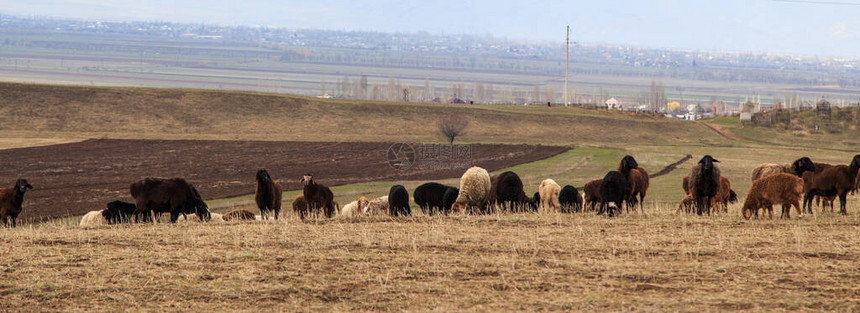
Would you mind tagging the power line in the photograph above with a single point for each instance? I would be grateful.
(818, 2)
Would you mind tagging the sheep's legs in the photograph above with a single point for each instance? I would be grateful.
(843, 202)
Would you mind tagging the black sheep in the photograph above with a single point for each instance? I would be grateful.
(11, 200)
(430, 197)
(570, 199)
(448, 199)
(612, 191)
(174, 195)
(118, 212)
(507, 192)
(398, 201)
(704, 183)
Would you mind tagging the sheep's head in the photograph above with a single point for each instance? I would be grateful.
(707, 162)
(747, 212)
(855, 162)
(308, 179)
(803, 164)
(458, 207)
(22, 185)
(263, 176)
(628, 162)
(362, 203)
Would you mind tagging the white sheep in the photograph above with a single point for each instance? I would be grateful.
(378, 206)
(475, 187)
(93, 218)
(354, 208)
(549, 190)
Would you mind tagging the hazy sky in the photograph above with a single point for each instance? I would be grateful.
(792, 26)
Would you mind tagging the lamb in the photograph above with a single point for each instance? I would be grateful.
(592, 193)
(474, 191)
(798, 167)
(238, 215)
(429, 197)
(378, 206)
(11, 200)
(318, 196)
(549, 191)
(507, 192)
(398, 201)
(354, 208)
(300, 207)
(781, 188)
(612, 193)
(118, 212)
(93, 218)
(704, 183)
(268, 194)
(570, 199)
(836, 180)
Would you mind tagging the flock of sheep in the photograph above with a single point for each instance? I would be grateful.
(479, 193)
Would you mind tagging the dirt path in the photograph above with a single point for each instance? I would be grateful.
(722, 132)
(671, 167)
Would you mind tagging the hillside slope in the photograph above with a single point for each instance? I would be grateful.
(85, 112)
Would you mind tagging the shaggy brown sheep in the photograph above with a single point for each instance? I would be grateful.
(318, 196)
(637, 184)
(591, 190)
(781, 188)
(300, 207)
(798, 167)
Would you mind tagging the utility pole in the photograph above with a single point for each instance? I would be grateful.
(566, 61)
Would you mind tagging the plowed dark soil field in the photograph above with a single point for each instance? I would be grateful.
(74, 178)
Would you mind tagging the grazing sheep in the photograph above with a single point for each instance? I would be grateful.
(570, 199)
(173, 195)
(238, 215)
(318, 196)
(592, 193)
(798, 167)
(11, 200)
(722, 198)
(549, 191)
(93, 218)
(781, 188)
(354, 208)
(686, 185)
(118, 212)
(300, 207)
(704, 183)
(268, 194)
(398, 201)
(686, 204)
(507, 192)
(836, 180)
(612, 193)
(429, 197)
(474, 191)
(378, 206)
(637, 185)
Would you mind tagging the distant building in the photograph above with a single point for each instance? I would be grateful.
(671, 106)
(612, 104)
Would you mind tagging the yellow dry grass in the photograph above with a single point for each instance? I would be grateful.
(659, 261)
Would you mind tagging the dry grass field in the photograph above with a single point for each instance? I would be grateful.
(576, 262)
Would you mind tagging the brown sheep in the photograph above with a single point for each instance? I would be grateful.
(11, 200)
(637, 184)
(836, 180)
(823, 202)
(300, 207)
(781, 188)
(238, 215)
(724, 195)
(318, 196)
(592, 193)
(686, 204)
(268, 194)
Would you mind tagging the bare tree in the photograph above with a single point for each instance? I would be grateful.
(453, 126)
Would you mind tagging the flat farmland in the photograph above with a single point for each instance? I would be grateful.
(74, 178)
